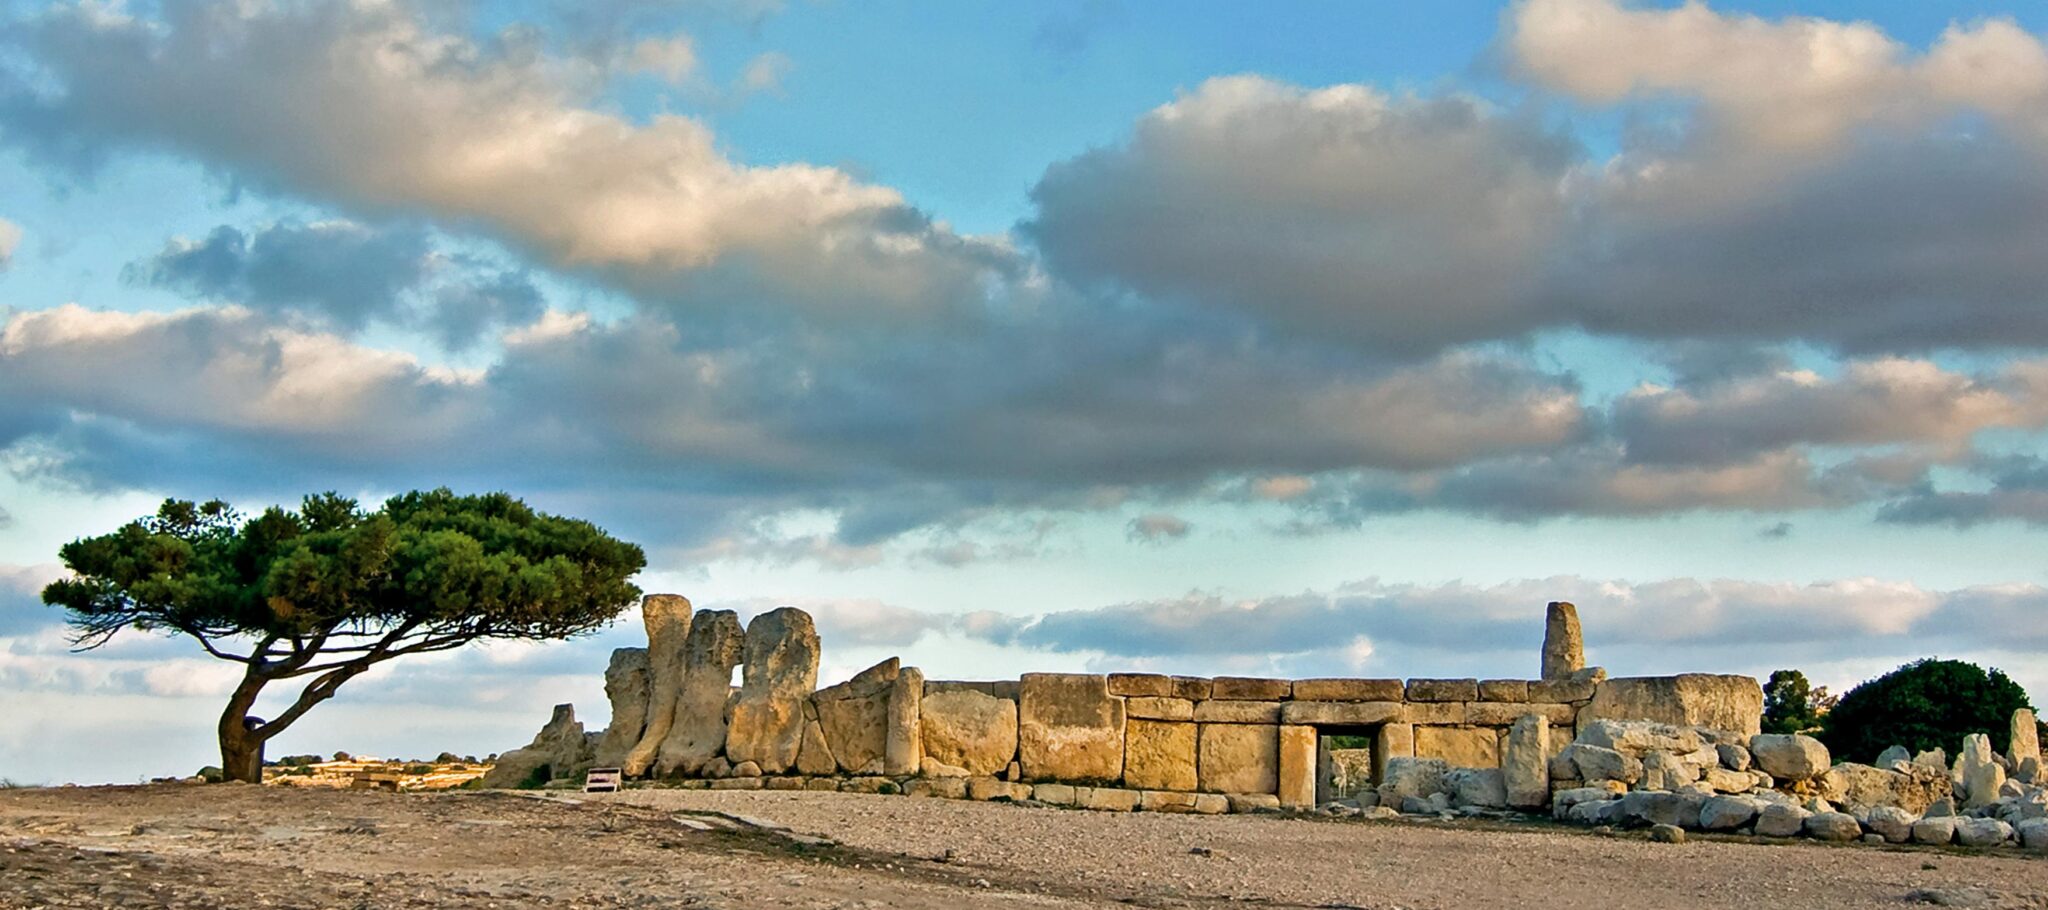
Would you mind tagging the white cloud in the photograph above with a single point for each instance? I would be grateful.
(10, 240)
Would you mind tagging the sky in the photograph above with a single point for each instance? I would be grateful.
(1291, 339)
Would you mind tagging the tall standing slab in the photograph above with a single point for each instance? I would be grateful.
(1525, 762)
(1564, 646)
(696, 734)
(1069, 728)
(903, 742)
(780, 670)
(626, 686)
(1297, 766)
(2026, 738)
(667, 618)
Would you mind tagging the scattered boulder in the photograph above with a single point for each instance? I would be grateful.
(1656, 808)
(1982, 832)
(1726, 813)
(1933, 758)
(1598, 763)
(1937, 830)
(1781, 820)
(1834, 826)
(559, 751)
(1894, 823)
(1906, 785)
(2033, 834)
(1667, 834)
(1789, 756)
(1404, 777)
(1981, 777)
(1893, 754)
(1480, 787)
(1733, 757)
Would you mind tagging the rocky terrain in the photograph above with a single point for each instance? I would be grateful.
(242, 846)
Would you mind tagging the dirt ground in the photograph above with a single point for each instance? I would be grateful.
(243, 846)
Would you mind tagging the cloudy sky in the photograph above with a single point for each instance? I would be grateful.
(1292, 339)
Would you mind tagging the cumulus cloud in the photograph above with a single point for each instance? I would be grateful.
(369, 106)
(1401, 224)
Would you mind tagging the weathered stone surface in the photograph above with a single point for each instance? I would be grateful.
(1910, 787)
(1238, 758)
(940, 787)
(1639, 737)
(1732, 703)
(1561, 691)
(1246, 688)
(667, 619)
(1598, 763)
(1657, 808)
(1411, 777)
(1726, 813)
(1297, 766)
(1933, 758)
(781, 670)
(711, 649)
(1564, 646)
(855, 717)
(1504, 690)
(1789, 756)
(1253, 802)
(814, 758)
(1461, 747)
(1056, 794)
(1733, 757)
(747, 769)
(1893, 823)
(1436, 713)
(1781, 820)
(1525, 762)
(1233, 711)
(1164, 801)
(1443, 690)
(1159, 755)
(1150, 707)
(1154, 684)
(1982, 832)
(1834, 826)
(985, 789)
(1070, 728)
(1348, 690)
(2026, 738)
(1211, 804)
(1597, 812)
(903, 744)
(1479, 787)
(626, 687)
(1722, 780)
(1341, 712)
(1106, 799)
(1981, 777)
(559, 751)
(1940, 829)
(969, 730)
(2033, 834)
(1501, 714)
(994, 688)
(1391, 741)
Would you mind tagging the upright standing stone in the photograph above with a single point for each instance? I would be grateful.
(781, 669)
(854, 716)
(667, 617)
(1391, 741)
(2026, 738)
(1297, 766)
(1525, 762)
(1982, 778)
(696, 735)
(903, 746)
(625, 684)
(1564, 648)
(815, 758)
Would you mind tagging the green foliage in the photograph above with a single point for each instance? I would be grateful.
(536, 779)
(1923, 705)
(1350, 742)
(434, 563)
(343, 756)
(1792, 705)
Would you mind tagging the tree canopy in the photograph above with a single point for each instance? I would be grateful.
(331, 589)
(1923, 705)
(1793, 705)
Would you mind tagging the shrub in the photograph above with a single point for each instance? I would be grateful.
(1923, 705)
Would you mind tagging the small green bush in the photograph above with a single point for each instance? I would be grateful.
(1923, 705)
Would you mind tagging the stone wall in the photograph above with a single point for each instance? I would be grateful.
(1191, 743)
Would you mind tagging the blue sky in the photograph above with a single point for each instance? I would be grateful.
(1291, 339)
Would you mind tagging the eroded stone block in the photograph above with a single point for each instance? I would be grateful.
(1238, 758)
(1070, 728)
(1159, 755)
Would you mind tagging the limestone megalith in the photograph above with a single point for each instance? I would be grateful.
(626, 685)
(559, 751)
(854, 717)
(696, 733)
(903, 744)
(1525, 762)
(1564, 646)
(2026, 738)
(780, 670)
(667, 617)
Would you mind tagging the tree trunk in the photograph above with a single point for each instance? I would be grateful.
(241, 749)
